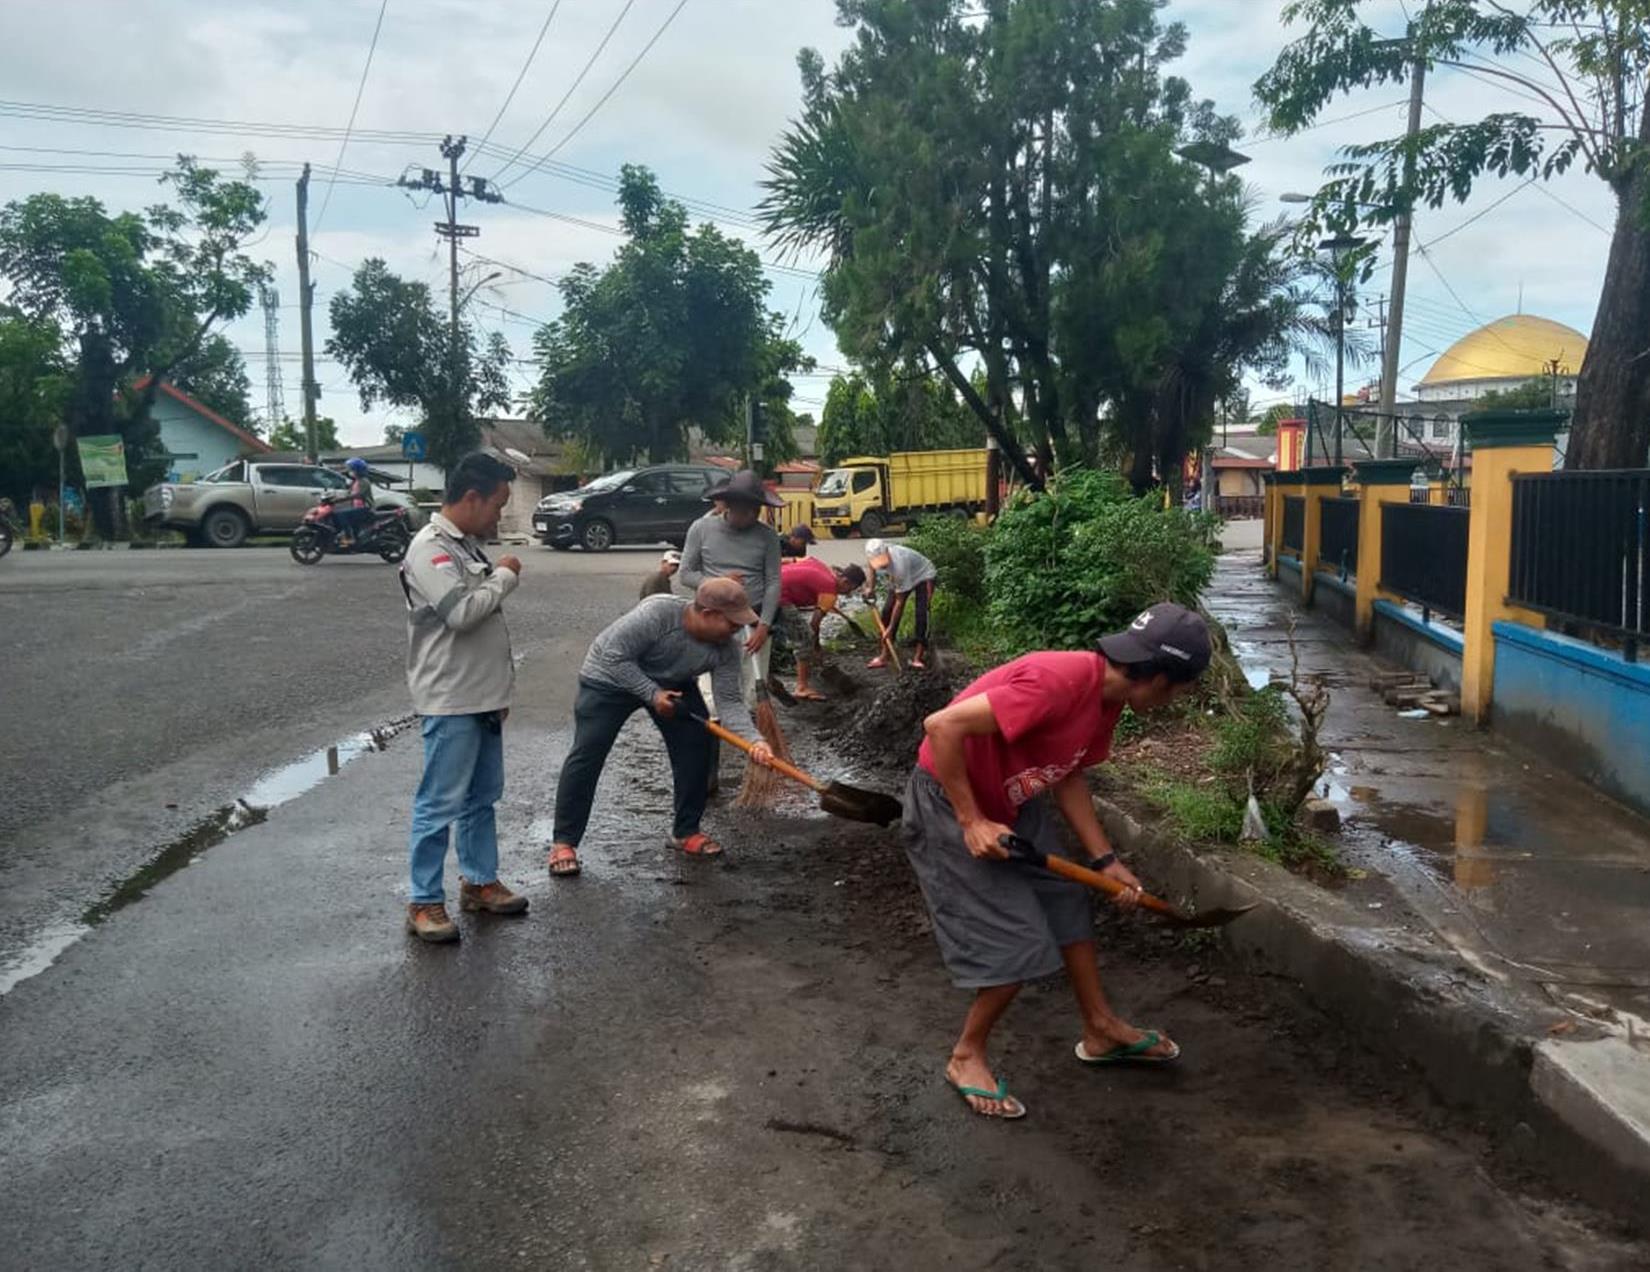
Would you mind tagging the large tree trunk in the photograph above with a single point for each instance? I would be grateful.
(1611, 426)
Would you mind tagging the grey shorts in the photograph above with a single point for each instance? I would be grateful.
(997, 922)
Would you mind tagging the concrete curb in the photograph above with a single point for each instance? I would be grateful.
(1576, 1110)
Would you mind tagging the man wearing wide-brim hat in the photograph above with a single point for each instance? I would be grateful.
(740, 546)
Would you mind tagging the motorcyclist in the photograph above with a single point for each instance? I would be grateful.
(357, 511)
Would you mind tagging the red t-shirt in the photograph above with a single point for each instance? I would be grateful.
(1052, 722)
(802, 583)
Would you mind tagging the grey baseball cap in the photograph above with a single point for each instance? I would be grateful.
(1166, 633)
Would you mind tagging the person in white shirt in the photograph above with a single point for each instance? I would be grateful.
(909, 574)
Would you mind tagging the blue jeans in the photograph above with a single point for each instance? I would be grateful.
(463, 779)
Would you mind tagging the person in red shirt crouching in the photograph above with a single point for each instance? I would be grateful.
(1005, 753)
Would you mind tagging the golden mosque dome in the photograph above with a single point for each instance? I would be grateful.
(1517, 347)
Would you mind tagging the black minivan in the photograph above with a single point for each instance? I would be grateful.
(636, 505)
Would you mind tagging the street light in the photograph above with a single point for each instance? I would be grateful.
(1340, 249)
(1216, 156)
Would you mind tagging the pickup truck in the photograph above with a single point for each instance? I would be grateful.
(248, 497)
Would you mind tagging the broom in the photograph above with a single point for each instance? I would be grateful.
(761, 786)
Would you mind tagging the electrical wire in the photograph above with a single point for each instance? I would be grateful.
(360, 88)
(511, 96)
(637, 61)
(591, 62)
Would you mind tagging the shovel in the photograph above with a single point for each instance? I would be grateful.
(836, 798)
(1024, 850)
(887, 640)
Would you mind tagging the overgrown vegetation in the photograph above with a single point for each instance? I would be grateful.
(1057, 568)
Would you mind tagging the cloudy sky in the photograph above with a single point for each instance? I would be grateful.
(702, 107)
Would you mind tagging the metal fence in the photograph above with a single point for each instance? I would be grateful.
(1581, 549)
(1294, 523)
(1424, 555)
(1338, 535)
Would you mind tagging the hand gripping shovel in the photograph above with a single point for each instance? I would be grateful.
(836, 798)
(1024, 850)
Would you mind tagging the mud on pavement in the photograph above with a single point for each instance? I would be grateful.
(1272, 1143)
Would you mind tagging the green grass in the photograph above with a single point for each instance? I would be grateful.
(1212, 815)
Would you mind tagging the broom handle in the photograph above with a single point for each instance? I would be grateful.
(1024, 850)
(775, 763)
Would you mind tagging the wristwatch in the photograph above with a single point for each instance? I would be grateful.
(1100, 863)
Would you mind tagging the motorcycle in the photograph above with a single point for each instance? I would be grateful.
(10, 528)
(387, 535)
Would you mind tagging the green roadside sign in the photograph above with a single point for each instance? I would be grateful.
(103, 461)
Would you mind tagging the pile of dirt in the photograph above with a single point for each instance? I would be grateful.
(884, 727)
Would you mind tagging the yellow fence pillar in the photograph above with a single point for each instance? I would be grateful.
(1503, 443)
(1379, 481)
(1317, 484)
(1284, 485)
(1268, 519)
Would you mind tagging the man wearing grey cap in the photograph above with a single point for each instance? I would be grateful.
(650, 658)
(1009, 750)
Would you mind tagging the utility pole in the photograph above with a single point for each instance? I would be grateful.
(306, 300)
(452, 189)
(1386, 431)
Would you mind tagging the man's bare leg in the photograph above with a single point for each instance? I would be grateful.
(1102, 1029)
(968, 1066)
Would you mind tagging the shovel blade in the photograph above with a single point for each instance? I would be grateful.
(850, 802)
(1210, 918)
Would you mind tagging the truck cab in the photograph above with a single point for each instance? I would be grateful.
(854, 496)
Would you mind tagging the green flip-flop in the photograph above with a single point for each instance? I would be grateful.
(1001, 1093)
(1130, 1052)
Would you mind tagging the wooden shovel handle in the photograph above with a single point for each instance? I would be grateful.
(887, 640)
(1024, 850)
(777, 764)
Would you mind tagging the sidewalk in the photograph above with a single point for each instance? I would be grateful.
(1534, 880)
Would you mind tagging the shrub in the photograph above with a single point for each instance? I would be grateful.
(1087, 555)
(957, 549)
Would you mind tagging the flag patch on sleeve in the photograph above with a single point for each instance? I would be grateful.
(444, 558)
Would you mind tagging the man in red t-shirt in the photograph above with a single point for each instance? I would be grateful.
(1009, 746)
(809, 585)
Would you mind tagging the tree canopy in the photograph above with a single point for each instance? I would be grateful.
(1576, 72)
(996, 185)
(902, 413)
(134, 297)
(398, 348)
(672, 336)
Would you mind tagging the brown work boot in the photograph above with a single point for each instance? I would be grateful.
(429, 922)
(492, 897)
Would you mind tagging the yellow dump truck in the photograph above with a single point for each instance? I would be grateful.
(869, 493)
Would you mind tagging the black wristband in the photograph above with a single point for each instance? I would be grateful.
(1100, 863)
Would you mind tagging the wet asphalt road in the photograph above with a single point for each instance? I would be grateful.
(666, 1063)
(142, 691)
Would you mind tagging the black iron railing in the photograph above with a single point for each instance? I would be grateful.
(1581, 549)
(1424, 555)
(1338, 535)
(1294, 523)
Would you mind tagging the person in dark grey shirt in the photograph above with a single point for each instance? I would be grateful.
(650, 658)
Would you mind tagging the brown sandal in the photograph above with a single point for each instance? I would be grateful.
(564, 861)
(698, 844)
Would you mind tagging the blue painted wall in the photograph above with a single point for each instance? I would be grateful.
(1593, 705)
(196, 446)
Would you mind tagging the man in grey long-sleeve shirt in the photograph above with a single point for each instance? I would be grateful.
(650, 658)
(738, 545)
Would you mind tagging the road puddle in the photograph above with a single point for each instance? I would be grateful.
(278, 786)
